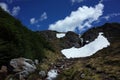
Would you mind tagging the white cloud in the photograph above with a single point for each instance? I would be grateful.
(107, 17)
(15, 10)
(83, 17)
(33, 21)
(110, 16)
(76, 1)
(43, 16)
(4, 6)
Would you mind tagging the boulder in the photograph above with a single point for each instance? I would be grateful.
(23, 67)
(3, 72)
(42, 74)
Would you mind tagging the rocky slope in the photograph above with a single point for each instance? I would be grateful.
(69, 40)
(110, 30)
(104, 65)
(18, 41)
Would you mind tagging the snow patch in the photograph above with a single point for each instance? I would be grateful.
(60, 35)
(87, 41)
(52, 74)
(89, 49)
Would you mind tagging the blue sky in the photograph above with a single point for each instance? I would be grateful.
(63, 15)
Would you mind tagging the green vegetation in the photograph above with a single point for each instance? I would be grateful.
(18, 41)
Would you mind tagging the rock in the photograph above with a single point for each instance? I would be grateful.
(3, 72)
(82, 75)
(23, 66)
(48, 35)
(36, 61)
(69, 40)
(42, 73)
(111, 32)
(52, 74)
(3, 69)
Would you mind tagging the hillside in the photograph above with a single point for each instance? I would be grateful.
(18, 41)
(69, 40)
(103, 65)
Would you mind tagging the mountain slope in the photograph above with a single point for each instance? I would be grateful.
(69, 40)
(18, 41)
(103, 65)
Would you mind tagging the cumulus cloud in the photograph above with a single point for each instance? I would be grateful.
(33, 21)
(43, 16)
(4, 6)
(15, 10)
(76, 1)
(83, 17)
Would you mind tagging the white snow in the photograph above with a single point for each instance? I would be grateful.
(89, 49)
(52, 74)
(87, 41)
(60, 35)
